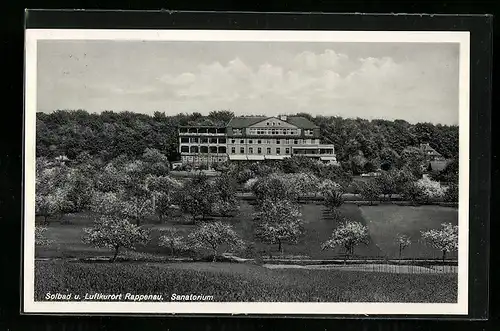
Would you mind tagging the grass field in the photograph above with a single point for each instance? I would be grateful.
(240, 282)
(383, 221)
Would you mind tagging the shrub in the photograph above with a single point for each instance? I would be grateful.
(40, 238)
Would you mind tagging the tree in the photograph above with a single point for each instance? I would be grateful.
(332, 194)
(106, 204)
(224, 191)
(415, 159)
(389, 158)
(171, 239)
(156, 163)
(80, 189)
(274, 187)
(215, 237)
(402, 241)
(278, 222)
(451, 194)
(369, 191)
(40, 237)
(386, 183)
(196, 197)
(162, 190)
(348, 235)
(115, 233)
(445, 239)
(51, 204)
(432, 191)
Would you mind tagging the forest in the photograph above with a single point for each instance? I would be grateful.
(361, 145)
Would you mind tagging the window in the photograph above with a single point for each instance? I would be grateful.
(287, 141)
(213, 140)
(222, 140)
(295, 142)
(259, 141)
(237, 131)
(233, 141)
(250, 141)
(259, 150)
(242, 141)
(267, 123)
(184, 140)
(268, 141)
(184, 149)
(274, 124)
(308, 132)
(278, 150)
(242, 150)
(287, 150)
(204, 140)
(269, 150)
(250, 150)
(233, 150)
(194, 140)
(278, 141)
(221, 149)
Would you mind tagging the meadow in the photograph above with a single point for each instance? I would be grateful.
(383, 221)
(230, 282)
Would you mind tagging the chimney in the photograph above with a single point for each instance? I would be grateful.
(283, 117)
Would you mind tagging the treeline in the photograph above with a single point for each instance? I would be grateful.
(361, 145)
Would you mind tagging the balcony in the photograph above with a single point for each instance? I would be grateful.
(201, 131)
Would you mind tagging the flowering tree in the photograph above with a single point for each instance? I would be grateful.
(348, 235)
(51, 191)
(278, 222)
(115, 233)
(445, 239)
(431, 190)
(215, 236)
(171, 239)
(106, 204)
(40, 238)
(402, 241)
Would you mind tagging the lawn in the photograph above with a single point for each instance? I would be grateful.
(241, 282)
(383, 221)
(386, 221)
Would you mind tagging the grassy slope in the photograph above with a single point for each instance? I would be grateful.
(383, 221)
(240, 282)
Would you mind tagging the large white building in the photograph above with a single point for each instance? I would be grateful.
(254, 138)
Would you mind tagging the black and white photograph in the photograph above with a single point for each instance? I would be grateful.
(264, 172)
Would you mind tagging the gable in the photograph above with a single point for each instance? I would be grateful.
(273, 122)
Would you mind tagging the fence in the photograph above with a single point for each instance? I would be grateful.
(407, 266)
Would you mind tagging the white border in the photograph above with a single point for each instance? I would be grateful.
(32, 37)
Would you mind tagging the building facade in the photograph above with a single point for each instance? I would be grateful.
(202, 145)
(254, 139)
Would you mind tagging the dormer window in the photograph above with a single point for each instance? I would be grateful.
(267, 123)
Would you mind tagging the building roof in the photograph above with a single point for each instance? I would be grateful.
(429, 150)
(243, 122)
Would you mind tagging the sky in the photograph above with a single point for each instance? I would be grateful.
(411, 81)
